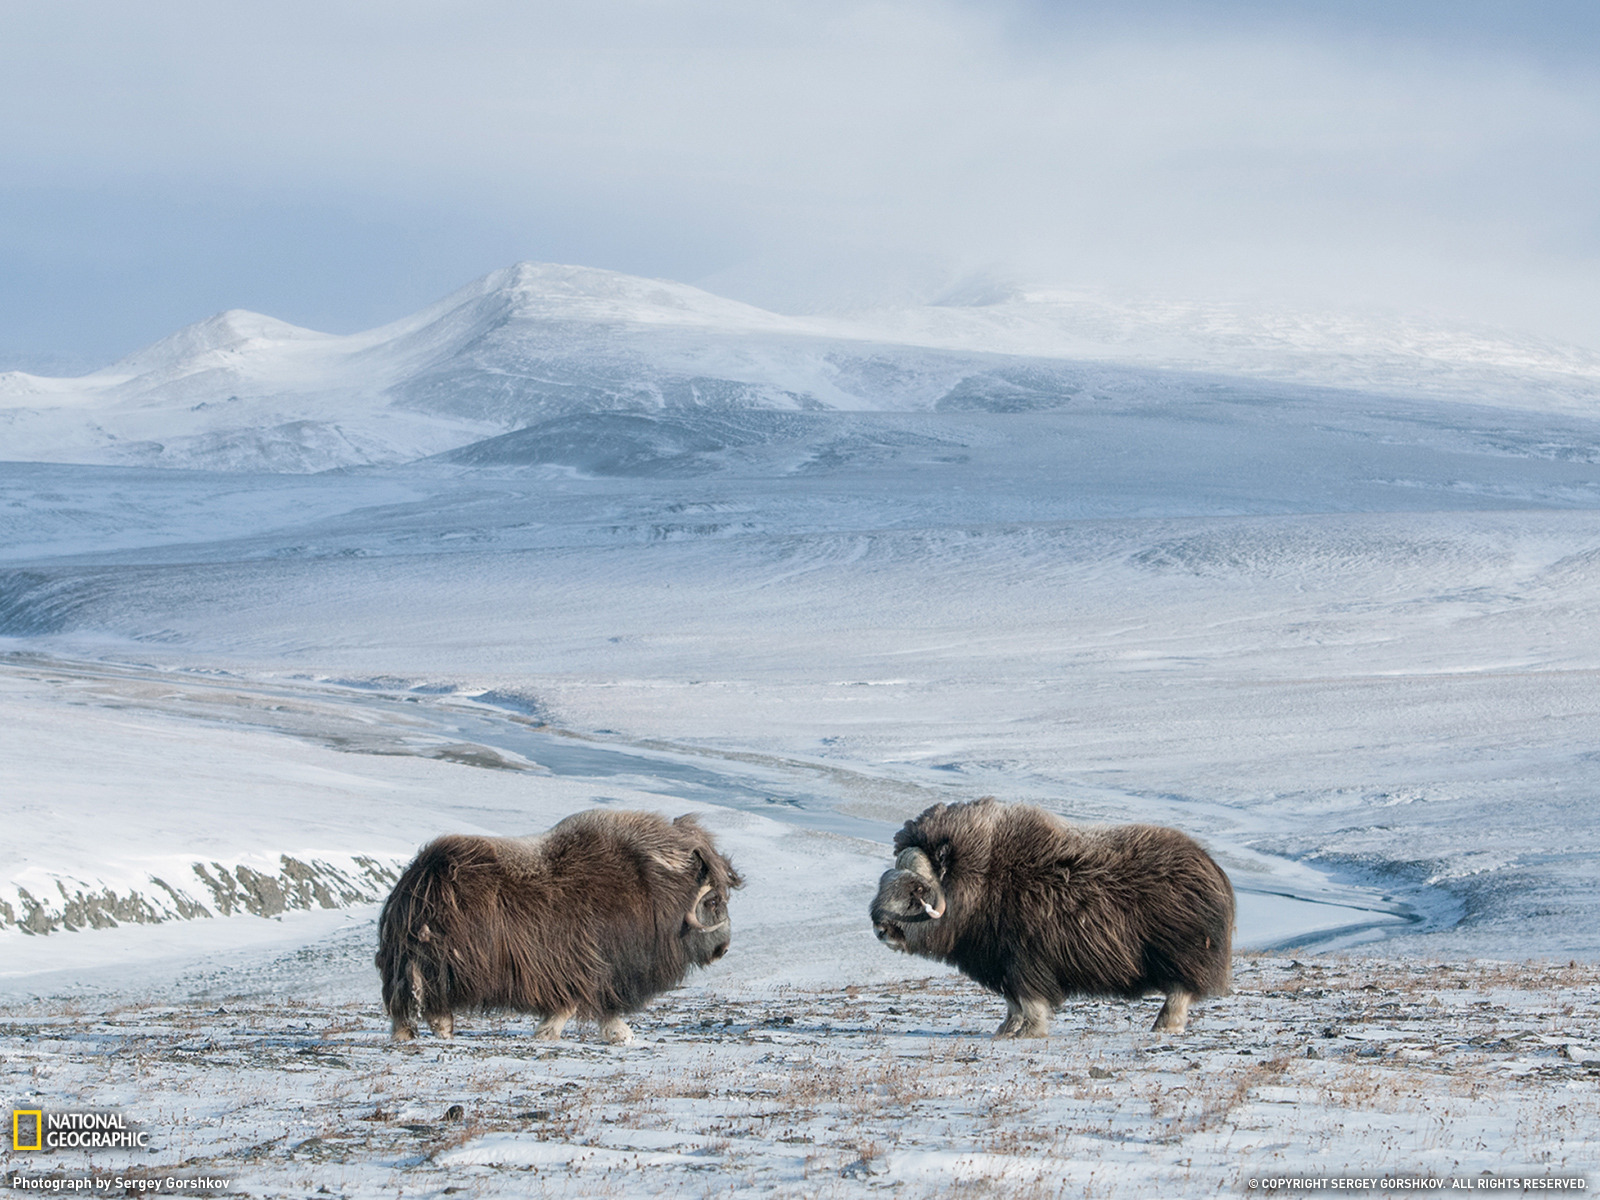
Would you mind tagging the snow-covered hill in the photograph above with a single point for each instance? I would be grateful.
(1408, 356)
(536, 343)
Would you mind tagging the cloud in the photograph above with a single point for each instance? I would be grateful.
(1327, 152)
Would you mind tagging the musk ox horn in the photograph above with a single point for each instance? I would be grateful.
(908, 895)
(919, 864)
(1039, 909)
(525, 923)
(693, 919)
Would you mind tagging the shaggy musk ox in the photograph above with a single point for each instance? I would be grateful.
(1038, 910)
(593, 919)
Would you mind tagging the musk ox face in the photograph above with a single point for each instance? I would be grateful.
(909, 893)
(707, 929)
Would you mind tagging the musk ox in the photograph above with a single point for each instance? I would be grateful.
(593, 919)
(1038, 909)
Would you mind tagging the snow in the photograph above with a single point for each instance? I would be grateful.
(242, 391)
(1331, 611)
(158, 802)
(1370, 351)
(1323, 1070)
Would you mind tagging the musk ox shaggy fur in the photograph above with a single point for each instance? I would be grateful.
(1038, 909)
(593, 919)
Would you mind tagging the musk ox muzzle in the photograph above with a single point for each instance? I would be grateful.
(593, 919)
(1038, 909)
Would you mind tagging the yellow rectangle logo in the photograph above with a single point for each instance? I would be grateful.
(27, 1129)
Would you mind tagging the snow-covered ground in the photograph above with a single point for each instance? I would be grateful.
(1344, 634)
(1458, 1077)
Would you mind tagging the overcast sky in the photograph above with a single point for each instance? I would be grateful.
(341, 164)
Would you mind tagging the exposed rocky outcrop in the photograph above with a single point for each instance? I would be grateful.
(215, 891)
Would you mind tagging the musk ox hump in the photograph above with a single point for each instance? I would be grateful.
(720, 871)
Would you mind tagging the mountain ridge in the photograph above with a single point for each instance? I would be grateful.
(538, 341)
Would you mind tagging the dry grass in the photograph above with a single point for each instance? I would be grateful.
(829, 1093)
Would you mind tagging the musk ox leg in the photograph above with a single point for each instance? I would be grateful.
(615, 1030)
(1035, 1019)
(552, 1024)
(443, 1024)
(1012, 1023)
(1174, 1014)
(404, 1002)
(1026, 1017)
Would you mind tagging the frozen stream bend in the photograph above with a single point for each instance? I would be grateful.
(483, 736)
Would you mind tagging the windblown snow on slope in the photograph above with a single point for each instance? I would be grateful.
(537, 343)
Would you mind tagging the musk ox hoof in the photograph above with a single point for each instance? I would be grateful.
(443, 1026)
(1174, 1014)
(615, 1030)
(1021, 1031)
(403, 1032)
(550, 1027)
(1024, 1019)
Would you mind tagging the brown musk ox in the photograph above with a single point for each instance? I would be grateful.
(1038, 909)
(593, 919)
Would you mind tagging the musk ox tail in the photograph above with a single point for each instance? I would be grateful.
(417, 928)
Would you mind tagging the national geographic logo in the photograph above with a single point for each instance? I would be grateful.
(35, 1129)
(27, 1129)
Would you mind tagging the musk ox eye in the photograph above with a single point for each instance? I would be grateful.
(709, 912)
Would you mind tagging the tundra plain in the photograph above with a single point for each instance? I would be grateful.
(1316, 1067)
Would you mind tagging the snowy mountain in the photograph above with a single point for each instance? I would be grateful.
(536, 343)
(1405, 356)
